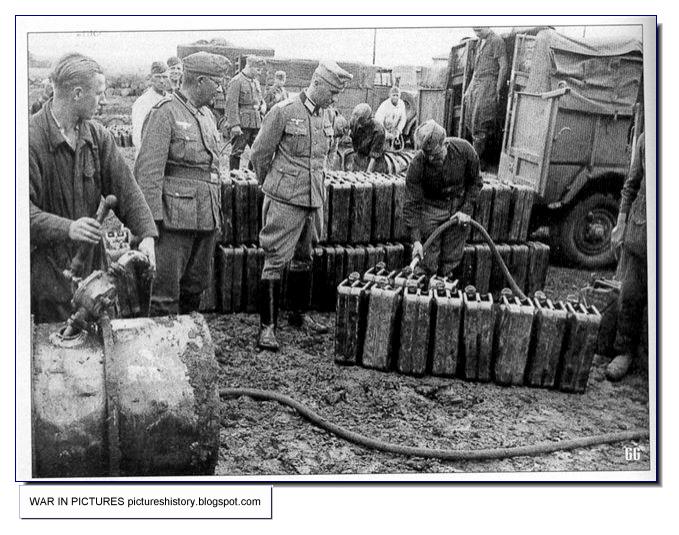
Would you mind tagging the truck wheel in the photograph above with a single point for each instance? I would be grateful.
(584, 235)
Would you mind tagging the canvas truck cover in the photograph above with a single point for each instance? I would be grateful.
(604, 74)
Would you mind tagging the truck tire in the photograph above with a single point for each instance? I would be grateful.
(583, 236)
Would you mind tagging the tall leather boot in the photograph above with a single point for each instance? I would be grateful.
(189, 303)
(298, 301)
(269, 291)
(234, 163)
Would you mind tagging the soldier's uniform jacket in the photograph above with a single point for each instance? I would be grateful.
(487, 61)
(178, 165)
(290, 151)
(243, 99)
(452, 184)
(633, 202)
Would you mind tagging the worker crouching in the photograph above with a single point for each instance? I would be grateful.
(443, 180)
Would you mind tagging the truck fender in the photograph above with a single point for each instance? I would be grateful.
(609, 179)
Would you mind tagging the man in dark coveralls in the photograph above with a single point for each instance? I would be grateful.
(73, 161)
(442, 181)
(245, 108)
(178, 170)
(630, 233)
(289, 157)
(368, 138)
(483, 94)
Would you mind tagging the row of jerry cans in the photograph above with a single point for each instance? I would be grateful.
(504, 210)
(363, 208)
(528, 264)
(443, 331)
(122, 134)
(234, 277)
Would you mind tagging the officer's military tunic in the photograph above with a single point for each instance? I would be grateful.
(243, 100)
(434, 192)
(289, 156)
(178, 170)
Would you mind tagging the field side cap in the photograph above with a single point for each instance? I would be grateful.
(333, 74)
(158, 67)
(207, 64)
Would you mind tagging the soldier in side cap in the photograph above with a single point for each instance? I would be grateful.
(289, 157)
(369, 140)
(245, 108)
(178, 172)
(159, 85)
(442, 181)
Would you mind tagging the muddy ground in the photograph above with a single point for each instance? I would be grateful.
(265, 438)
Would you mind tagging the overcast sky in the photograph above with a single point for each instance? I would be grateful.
(134, 51)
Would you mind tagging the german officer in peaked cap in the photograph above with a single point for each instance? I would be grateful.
(178, 171)
(289, 156)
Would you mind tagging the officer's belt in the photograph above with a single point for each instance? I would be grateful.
(192, 173)
(485, 76)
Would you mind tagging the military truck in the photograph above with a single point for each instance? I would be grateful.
(572, 113)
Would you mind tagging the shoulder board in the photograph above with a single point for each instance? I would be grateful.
(164, 100)
(286, 102)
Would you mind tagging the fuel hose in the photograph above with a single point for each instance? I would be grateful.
(443, 454)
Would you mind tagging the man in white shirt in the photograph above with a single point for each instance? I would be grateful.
(392, 115)
(141, 108)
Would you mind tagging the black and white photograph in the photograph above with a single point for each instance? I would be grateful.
(349, 252)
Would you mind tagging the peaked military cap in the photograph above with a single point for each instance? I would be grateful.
(207, 64)
(333, 74)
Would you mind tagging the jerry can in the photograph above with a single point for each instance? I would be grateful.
(446, 323)
(467, 269)
(414, 333)
(329, 278)
(379, 270)
(478, 325)
(500, 213)
(208, 298)
(579, 347)
(327, 208)
(340, 274)
(371, 260)
(382, 210)
(406, 276)
(549, 329)
(484, 268)
(518, 265)
(255, 197)
(241, 225)
(512, 338)
(254, 262)
(482, 211)
(318, 278)
(361, 211)
(398, 228)
(538, 263)
(227, 237)
(339, 220)
(354, 259)
(497, 278)
(381, 334)
(230, 264)
(520, 213)
(351, 318)
(393, 255)
(604, 294)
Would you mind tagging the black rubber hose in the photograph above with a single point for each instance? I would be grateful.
(447, 455)
(508, 276)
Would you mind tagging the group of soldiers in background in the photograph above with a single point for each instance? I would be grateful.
(172, 203)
